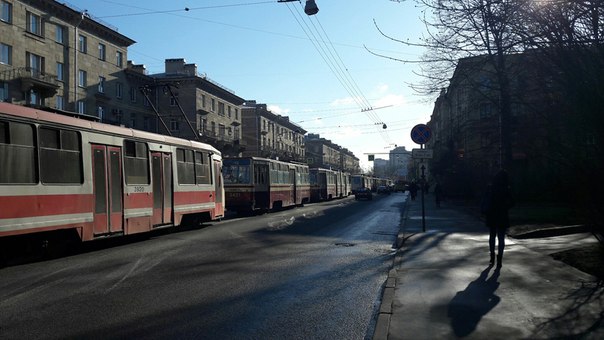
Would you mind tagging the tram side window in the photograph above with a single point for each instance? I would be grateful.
(136, 162)
(17, 153)
(202, 168)
(185, 166)
(60, 156)
(284, 174)
(274, 174)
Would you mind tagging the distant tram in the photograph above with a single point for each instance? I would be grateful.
(253, 183)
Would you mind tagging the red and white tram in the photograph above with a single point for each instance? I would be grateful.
(324, 184)
(59, 172)
(253, 183)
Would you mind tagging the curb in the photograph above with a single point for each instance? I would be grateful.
(385, 312)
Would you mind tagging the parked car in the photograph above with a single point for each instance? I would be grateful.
(382, 189)
(363, 193)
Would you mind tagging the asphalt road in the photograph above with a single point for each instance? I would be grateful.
(313, 272)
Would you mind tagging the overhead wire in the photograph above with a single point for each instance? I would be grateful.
(322, 43)
(322, 52)
(188, 9)
(331, 57)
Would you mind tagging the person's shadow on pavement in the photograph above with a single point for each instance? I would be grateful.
(470, 305)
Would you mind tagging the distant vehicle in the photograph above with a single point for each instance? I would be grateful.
(363, 193)
(401, 185)
(384, 190)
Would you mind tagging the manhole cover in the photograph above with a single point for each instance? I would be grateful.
(344, 244)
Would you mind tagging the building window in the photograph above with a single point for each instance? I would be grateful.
(34, 24)
(100, 112)
(213, 125)
(102, 52)
(82, 78)
(101, 87)
(6, 54)
(60, 102)
(3, 91)
(133, 94)
(203, 101)
(221, 109)
(81, 106)
(119, 90)
(173, 124)
(7, 12)
(485, 110)
(82, 44)
(221, 130)
(60, 34)
(204, 126)
(229, 111)
(35, 63)
(236, 114)
(60, 71)
(119, 59)
(213, 107)
(173, 99)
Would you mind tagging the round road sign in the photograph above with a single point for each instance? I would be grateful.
(421, 134)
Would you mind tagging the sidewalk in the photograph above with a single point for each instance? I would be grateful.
(441, 287)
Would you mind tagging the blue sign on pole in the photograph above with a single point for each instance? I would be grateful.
(421, 134)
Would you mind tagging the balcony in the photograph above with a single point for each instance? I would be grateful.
(223, 142)
(32, 79)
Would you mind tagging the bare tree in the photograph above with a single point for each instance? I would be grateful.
(461, 29)
(568, 36)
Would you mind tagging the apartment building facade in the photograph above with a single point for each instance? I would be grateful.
(54, 55)
(193, 106)
(270, 135)
(467, 129)
(323, 153)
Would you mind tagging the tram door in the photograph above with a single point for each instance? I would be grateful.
(108, 189)
(219, 210)
(292, 181)
(162, 188)
(261, 186)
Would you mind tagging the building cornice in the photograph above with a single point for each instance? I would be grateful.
(83, 20)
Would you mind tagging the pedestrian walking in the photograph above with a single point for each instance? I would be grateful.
(495, 206)
(413, 190)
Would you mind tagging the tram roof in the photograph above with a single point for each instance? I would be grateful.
(40, 115)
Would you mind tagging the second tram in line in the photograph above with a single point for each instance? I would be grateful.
(261, 184)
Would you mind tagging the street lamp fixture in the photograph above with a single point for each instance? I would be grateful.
(310, 8)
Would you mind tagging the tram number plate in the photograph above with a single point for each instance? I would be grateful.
(139, 189)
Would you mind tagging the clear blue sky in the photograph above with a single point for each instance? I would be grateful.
(262, 51)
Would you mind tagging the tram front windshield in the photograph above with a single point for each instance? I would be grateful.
(236, 174)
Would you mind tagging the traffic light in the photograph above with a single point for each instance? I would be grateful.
(371, 158)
